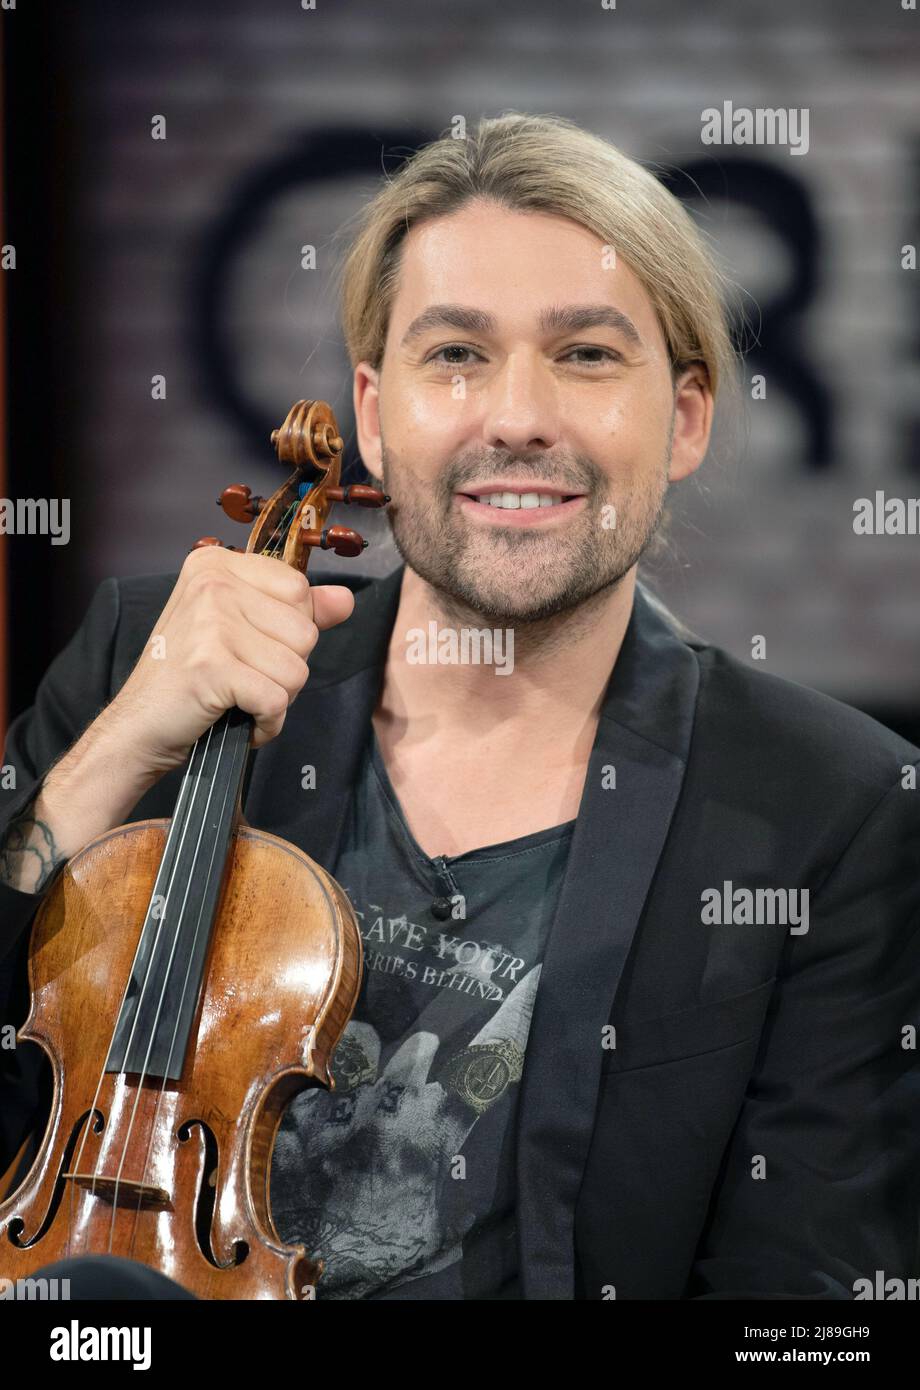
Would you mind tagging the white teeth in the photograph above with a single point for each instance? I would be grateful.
(512, 501)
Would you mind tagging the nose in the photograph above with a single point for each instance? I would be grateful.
(521, 411)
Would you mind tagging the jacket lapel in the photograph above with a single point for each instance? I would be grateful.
(644, 734)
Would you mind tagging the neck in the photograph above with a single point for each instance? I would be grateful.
(561, 666)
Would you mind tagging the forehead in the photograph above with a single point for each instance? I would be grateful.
(514, 264)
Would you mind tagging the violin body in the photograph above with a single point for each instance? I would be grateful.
(175, 1174)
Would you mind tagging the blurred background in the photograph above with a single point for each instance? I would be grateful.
(181, 257)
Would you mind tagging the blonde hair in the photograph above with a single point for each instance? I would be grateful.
(547, 164)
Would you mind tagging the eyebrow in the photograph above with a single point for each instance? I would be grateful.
(566, 318)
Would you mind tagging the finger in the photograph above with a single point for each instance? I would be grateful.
(263, 698)
(298, 624)
(332, 604)
(270, 659)
(288, 623)
(263, 572)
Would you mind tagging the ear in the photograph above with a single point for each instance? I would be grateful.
(366, 397)
(693, 411)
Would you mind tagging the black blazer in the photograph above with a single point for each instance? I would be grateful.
(755, 1131)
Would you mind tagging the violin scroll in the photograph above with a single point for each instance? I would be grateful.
(293, 521)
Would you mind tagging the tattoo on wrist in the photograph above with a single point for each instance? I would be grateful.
(29, 855)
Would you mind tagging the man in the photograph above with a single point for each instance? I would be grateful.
(640, 922)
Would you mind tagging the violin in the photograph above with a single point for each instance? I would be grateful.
(188, 978)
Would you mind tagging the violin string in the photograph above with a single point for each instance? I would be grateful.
(153, 1031)
(186, 791)
(185, 983)
(284, 522)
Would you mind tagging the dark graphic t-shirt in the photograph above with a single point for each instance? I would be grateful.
(402, 1179)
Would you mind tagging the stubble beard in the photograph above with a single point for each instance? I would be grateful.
(517, 577)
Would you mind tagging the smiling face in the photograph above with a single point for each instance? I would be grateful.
(524, 420)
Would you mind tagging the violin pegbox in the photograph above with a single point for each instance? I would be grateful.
(293, 521)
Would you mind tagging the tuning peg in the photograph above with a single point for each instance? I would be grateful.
(358, 493)
(341, 539)
(212, 540)
(239, 504)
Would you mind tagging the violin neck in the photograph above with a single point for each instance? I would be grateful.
(155, 1020)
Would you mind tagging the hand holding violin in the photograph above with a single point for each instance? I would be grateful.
(237, 630)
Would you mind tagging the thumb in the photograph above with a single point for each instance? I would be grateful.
(332, 604)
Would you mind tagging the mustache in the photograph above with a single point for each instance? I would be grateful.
(583, 476)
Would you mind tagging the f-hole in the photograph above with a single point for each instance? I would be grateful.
(207, 1197)
(15, 1228)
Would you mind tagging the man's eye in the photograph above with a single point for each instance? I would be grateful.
(453, 361)
(598, 356)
